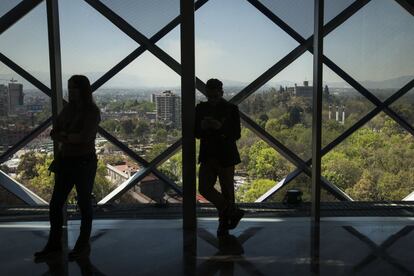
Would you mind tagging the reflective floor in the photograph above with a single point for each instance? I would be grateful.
(348, 246)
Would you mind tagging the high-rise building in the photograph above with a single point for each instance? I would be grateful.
(168, 108)
(4, 103)
(16, 97)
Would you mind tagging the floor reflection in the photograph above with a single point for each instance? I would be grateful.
(381, 250)
(58, 264)
(348, 246)
(230, 253)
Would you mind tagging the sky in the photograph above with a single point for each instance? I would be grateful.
(234, 41)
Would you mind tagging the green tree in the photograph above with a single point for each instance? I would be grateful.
(249, 192)
(127, 127)
(156, 150)
(27, 165)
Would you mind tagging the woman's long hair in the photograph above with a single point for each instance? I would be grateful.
(82, 83)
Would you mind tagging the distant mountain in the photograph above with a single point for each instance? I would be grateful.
(394, 83)
(133, 81)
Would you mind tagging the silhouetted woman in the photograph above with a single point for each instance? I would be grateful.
(75, 165)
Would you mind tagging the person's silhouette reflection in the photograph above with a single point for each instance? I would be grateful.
(75, 164)
(229, 245)
(57, 266)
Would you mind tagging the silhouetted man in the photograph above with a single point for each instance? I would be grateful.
(218, 128)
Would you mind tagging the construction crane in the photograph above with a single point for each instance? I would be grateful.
(12, 80)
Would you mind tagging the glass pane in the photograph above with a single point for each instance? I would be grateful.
(7, 5)
(26, 44)
(141, 106)
(342, 106)
(231, 48)
(375, 47)
(297, 14)
(147, 16)
(90, 43)
(375, 163)
(284, 106)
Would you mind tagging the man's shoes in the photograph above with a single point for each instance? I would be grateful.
(80, 250)
(234, 218)
(48, 252)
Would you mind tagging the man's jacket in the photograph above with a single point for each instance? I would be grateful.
(219, 144)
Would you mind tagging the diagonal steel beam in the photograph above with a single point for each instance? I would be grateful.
(25, 140)
(26, 75)
(16, 13)
(152, 165)
(124, 187)
(133, 33)
(408, 5)
(140, 50)
(20, 191)
(271, 72)
(366, 93)
(138, 37)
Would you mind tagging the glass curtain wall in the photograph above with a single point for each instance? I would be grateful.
(262, 51)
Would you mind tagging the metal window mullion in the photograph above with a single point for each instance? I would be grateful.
(188, 93)
(54, 59)
(316, 133)
(16, 13)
